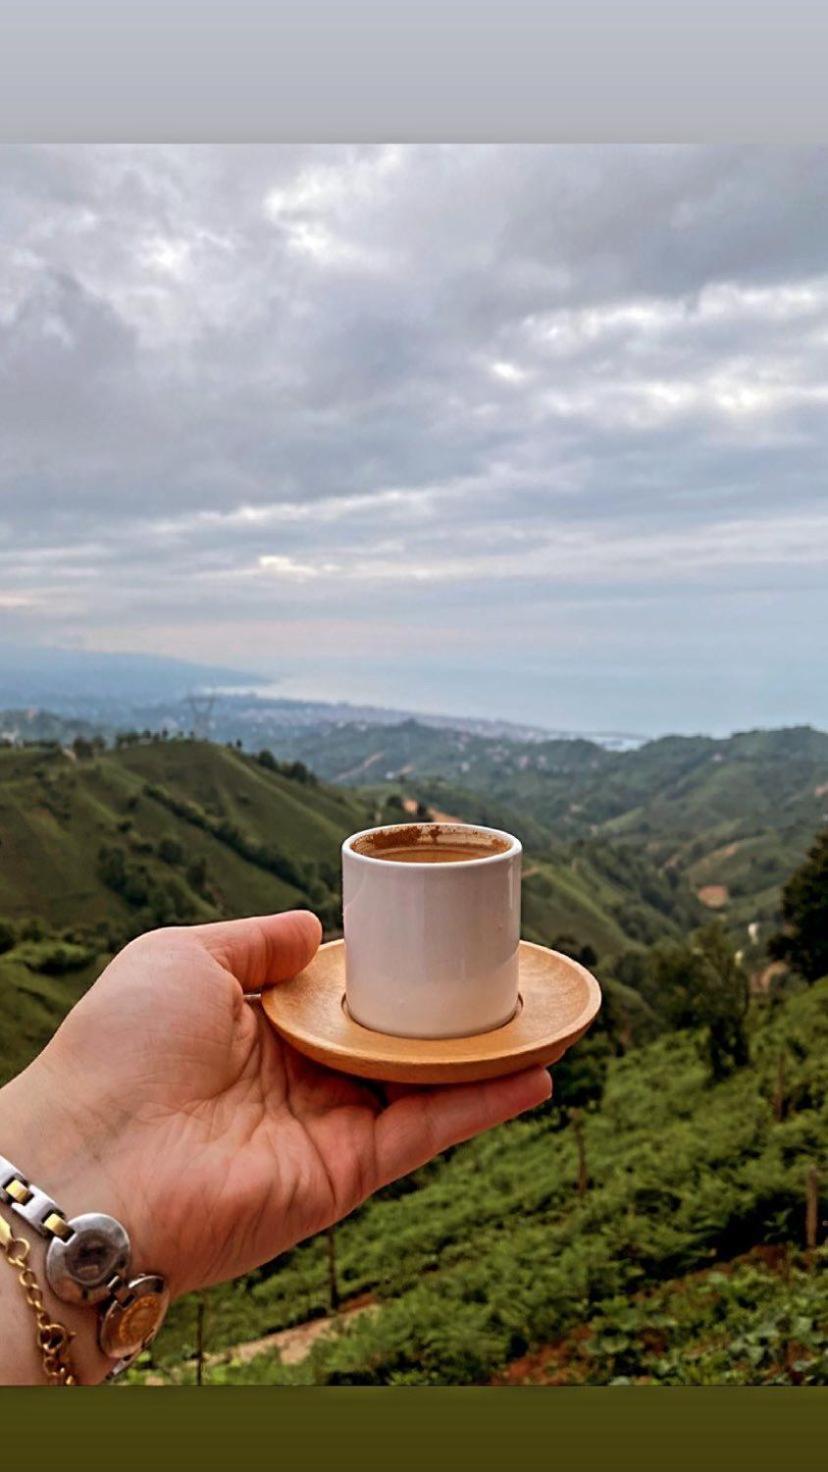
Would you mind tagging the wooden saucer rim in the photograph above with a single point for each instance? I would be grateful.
(307, 1011)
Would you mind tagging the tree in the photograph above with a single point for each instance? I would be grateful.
(59, 959)
(580, 1145)
(170, 850)
(630, 1013)
(580, 1077)
(569, 946)
(703, 985)
(668, 983)
(725, 996)
(333, 1279)
(803, 942)
(298, 772)
(201, 1312)
(197, 875)
(32, 928)
(112, 867)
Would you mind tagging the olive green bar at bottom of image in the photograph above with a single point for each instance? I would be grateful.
(705, 1429)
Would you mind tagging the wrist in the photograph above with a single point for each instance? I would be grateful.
(80, 1155)
(76, 1162)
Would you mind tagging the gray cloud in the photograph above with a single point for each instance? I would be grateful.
(374, 404)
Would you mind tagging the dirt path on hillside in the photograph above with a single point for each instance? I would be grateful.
(714, 896)
(361, 767)
(293, 1345)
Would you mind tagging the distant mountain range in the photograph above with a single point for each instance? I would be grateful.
(116, 691)
(83, 682)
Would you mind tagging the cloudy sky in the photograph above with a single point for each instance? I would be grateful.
(537, 432)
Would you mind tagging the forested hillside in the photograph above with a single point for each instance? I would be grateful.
(731, 817)
(505, 1255)
(99, 847)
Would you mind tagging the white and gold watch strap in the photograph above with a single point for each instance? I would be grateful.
(32, 1204)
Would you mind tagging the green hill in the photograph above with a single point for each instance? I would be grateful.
(733, 816)
(98, 849)
(730, 816)
(356, 752)
(606, 896)
(674, 788)
(57, 813)
(493, 1253)
(95, 851)
(32, 1002)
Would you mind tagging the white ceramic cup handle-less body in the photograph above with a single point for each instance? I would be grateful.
(431, 950)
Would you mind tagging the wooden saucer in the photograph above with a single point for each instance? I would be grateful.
(558, 1001)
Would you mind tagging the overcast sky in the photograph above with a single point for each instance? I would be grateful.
(521, 431)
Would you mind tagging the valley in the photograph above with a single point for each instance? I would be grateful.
(579, 1245)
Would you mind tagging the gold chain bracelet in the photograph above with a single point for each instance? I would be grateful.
(87, 1261)
(52, 1339)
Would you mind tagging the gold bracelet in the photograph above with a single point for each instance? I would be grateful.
(52, 1339)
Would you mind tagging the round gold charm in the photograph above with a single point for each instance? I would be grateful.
(130, 1325)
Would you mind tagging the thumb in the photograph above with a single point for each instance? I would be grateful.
(264, 948)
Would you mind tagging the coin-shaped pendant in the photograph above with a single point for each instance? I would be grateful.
(131, 1324)
(79, 1268)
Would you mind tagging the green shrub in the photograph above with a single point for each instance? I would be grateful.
(57, 958)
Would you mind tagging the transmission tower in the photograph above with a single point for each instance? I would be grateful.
(201, 711)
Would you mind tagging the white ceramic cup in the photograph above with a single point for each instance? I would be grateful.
(431, 949)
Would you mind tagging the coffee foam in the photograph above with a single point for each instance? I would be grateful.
(389, 841)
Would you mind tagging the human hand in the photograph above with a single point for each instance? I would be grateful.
(167, 1100)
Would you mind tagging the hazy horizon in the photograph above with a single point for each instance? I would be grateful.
(32, 686)
(530, 432)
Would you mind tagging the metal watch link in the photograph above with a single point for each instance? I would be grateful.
(88, 1261)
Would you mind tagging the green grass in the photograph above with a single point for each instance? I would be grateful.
(746, 1323)
(491, 1253)
(759, 1321)
(32, 1005)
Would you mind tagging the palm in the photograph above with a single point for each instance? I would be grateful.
(227, 1137)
